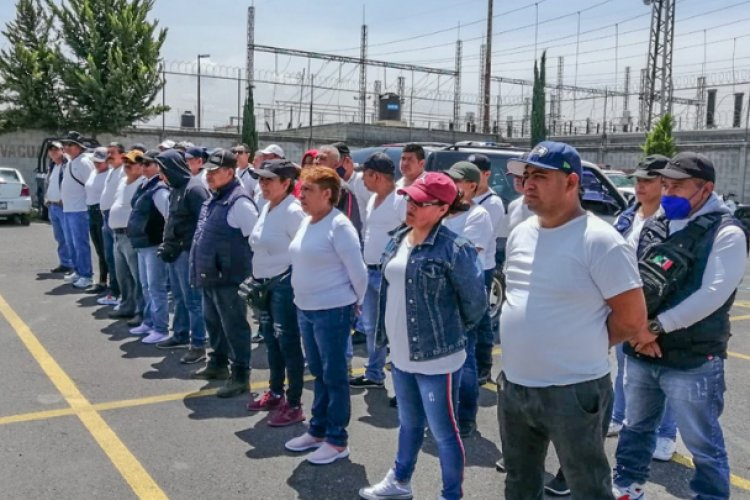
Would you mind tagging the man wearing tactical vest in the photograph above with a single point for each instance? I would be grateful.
(695, 254)
(220, 260)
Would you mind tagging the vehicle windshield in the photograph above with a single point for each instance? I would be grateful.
(8, 176)
(621, 180)
(499, 181)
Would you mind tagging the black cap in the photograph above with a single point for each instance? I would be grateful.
(276, 169)
(73, 137)
(379, 162)
(150, 156)
(689, 165)
(648, 167)
(481, 161)
(343, 148)
(220, 158)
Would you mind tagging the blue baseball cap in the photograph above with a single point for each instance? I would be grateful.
(196, 152)
(550, 155)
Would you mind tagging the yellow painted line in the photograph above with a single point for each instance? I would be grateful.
(738, 355)
(742, 303)
(139, 480)
(734, 479)
(37, 415)
(739, 318)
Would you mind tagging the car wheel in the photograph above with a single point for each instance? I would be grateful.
(23, 219)
(497, 294)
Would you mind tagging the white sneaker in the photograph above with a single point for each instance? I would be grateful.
(614, 429)
(632, 492)
(108, 300)
(71, 278)
(664, 450)
(303, 443)
(388, 488)
(117, 307)
(155, 337)
(142, 329)
(326, 454)
(82, 282)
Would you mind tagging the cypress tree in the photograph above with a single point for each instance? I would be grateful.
(538, 103)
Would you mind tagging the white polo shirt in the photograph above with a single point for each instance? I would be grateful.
(380, 221)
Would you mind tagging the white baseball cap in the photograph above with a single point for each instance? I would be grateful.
(274, 149)
(167, 144)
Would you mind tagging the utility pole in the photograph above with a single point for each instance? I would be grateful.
(250, 62)
(363, 73)
(487, 72)
(457, 86)
(658, 76)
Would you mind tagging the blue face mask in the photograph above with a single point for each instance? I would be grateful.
(341, 171)
(677, 207)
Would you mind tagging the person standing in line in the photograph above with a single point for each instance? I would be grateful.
(329, 156)
(518, 209)
(75, 212)
(565, 307)
(245, 169)
(385, 213)
(196, 159)
(146, 233)
(115, 152)
(475, 225)
(308, 160)
(186, 197)
(329, 279)
(353, 179)
(53, 200)
(427, 332)
(94, 187)
(277, 225)
(411, 165)
(126, 259)
(220, 260)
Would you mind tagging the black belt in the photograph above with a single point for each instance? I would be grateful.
(94, 207)
(278, 277)
(119, 230)
(55, 203)
(374, 267)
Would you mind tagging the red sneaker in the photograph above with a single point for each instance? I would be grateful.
(267, 401)
(287, 415)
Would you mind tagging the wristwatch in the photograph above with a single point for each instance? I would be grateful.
(654, 326)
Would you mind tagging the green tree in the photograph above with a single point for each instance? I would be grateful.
(112, 77)
(249, 132)
(538, 103)
(29, 71)
(659, 140)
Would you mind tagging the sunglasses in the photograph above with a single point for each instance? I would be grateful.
(422, 204)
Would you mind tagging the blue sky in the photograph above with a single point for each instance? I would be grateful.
(217, 27)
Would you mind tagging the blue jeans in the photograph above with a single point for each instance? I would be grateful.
(76, 227)
(109, 253)
(468, 392)
(325, 335)
(429, 399)
(667, 427)
(188, 303)
(280, 330)
(697, 398)
(374, 369)
(64, 253)
(153, 275)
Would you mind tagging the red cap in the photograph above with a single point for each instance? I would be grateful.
(433, 186)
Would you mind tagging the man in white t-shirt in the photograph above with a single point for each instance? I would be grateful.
(411, 165)
(53, 201)
(573, 290)
(94, 187)
(384, 213)
(115, 155)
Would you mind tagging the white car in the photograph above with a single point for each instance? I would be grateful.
(624, 183)
(15, 196)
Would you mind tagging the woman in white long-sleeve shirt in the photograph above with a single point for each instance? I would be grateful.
(329, 279)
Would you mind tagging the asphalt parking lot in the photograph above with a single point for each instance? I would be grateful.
(89, 412)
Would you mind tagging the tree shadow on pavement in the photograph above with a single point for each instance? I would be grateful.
(339, 480)
(379, 413)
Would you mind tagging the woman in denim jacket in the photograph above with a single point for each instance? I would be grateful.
(432, 292)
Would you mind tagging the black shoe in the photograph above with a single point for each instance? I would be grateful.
(557, 486)
(194, 355)
(234, 386)
(392, 402)
(257, 338)
(172, 343)
(61, 270)
(136, 320)
(500, 465)
(362, 382)
(121, 315)
(359, 337)
(97, 289)
(211, 372)
(483, 377)
(466, 428)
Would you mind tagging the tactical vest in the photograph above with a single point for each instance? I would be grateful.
(625, 221)
(689, 347)
(220, 254)
(146, 223)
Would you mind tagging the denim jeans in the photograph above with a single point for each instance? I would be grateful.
(468, 392)
(188, 323)
(280, 330)
(326, 334)
(76, 227)
(485, 331)
(153, 274)
(95, 231)
(572, 417)
(108, 238)
(429, 399)
(227, 327)
(375, 367)
(126, 263)
(667, 427)
(697, 398)
(58, 230)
